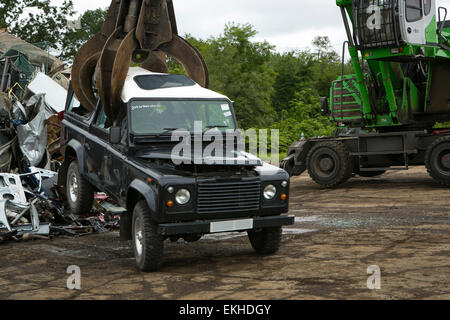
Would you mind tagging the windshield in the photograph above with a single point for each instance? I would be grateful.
(160, 117)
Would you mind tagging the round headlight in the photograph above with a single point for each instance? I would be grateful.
(270, 192)
(183, 196)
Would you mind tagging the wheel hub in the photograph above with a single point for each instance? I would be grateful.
(138, 236)
(445, 160)
(73, 187)
(326, 164)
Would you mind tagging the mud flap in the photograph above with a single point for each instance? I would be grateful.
(295, 162)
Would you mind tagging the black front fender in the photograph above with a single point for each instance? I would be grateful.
(79, 151)
(145, 191)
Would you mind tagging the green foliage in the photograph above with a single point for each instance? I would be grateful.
(301, 70)
(442, 125)
(303, 117)
(36, 21)
(91, 22)
(271, 90)
(240, 69)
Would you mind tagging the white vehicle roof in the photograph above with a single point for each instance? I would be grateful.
(132, 90)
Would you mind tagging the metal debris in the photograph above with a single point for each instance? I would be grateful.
(33, 90)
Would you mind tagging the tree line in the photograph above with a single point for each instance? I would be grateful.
(269, 89)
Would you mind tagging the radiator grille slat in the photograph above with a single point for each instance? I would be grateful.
(228, 197)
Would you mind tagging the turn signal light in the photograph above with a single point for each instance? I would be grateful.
(283, 197)
(170, 204)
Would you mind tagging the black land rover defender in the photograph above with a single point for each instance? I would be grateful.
(132, 162)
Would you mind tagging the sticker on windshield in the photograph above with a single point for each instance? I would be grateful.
(227, 114)
(225, 107)
(145, 106)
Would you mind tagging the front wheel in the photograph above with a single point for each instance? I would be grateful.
(437, 161)
(80, 194)
(329, 163)
(148, 245)
(265, 241)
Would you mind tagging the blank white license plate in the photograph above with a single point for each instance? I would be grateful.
(233, 225)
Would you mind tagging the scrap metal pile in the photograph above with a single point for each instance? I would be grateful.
(33, 90)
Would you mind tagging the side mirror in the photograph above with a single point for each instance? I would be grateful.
(324, 106)
(115, 135)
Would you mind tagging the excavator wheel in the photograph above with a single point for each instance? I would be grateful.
(329, 163)
(437, 160)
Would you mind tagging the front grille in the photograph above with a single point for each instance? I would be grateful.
(376, 23)
(228, 197)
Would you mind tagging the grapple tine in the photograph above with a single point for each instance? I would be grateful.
(156, 62)
(190, 58)
(81, 71)
(86, 81)
(84, 63)
(153, 27)
(173, 20)
(105, 68)
(119, 73)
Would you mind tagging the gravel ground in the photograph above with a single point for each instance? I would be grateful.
(399, 222)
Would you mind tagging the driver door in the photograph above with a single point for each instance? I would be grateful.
(418, 16)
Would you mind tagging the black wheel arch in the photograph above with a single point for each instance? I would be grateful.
(137, 191)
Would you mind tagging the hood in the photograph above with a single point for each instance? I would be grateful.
(164, 153)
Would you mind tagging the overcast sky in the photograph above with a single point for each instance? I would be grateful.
(288, 24)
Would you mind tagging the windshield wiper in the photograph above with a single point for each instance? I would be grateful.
(166, 131)
(216, 126)
(142, 138)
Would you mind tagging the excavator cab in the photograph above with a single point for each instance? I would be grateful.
(402, 78)
(394, 23)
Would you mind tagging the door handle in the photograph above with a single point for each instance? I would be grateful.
(87, 146)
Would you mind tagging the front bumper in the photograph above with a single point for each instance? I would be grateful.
(214, 226)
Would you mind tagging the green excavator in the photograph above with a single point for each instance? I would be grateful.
(386, 112)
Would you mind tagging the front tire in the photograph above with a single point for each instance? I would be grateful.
(329, 163)
(437, 160)
(148, 245)
(79, 192)
(265, 241)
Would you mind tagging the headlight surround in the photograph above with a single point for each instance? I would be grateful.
(183, 196)
(270, 191)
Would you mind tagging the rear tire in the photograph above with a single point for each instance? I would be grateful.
(148, 245)
(329, 163)
(79, 192)
(265, 241)
(437, 160)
